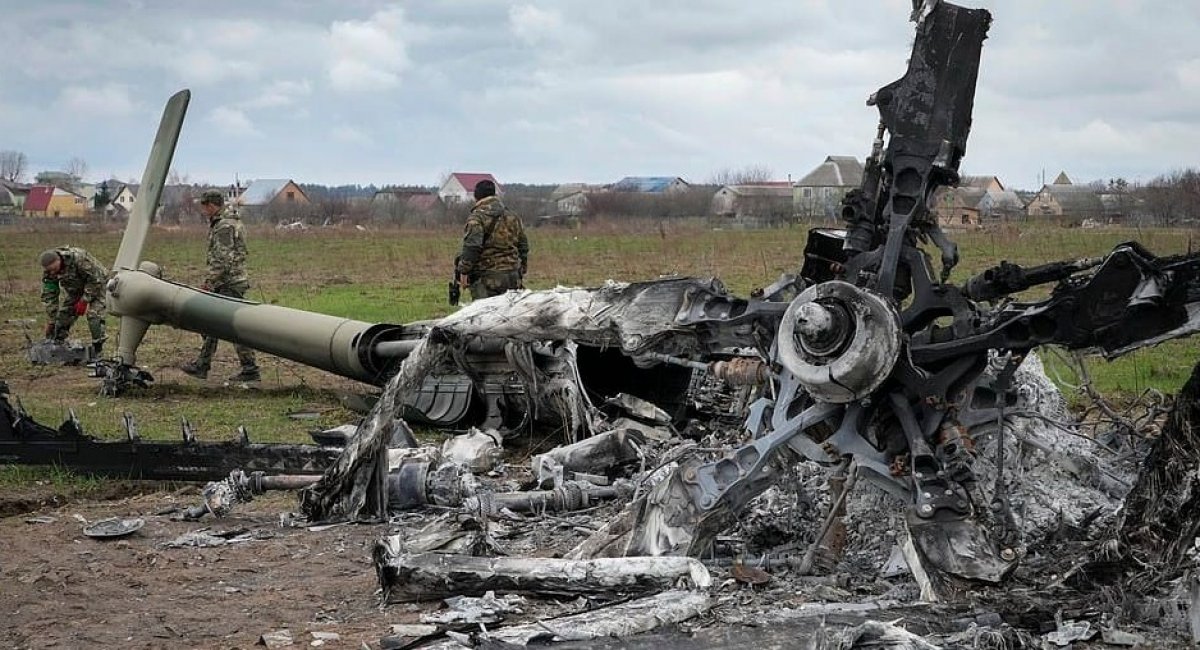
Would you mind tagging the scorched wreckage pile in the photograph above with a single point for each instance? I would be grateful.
(862, 417)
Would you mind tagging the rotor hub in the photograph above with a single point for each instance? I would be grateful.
(840, 341)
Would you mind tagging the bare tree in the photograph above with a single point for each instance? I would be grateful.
(1172, 197)
(12, 165)
(746, 175)
(77, 167)
(174, 177)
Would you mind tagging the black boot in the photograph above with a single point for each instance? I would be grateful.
(248, 373)
(194, 369)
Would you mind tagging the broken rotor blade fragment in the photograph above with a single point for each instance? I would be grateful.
(620, 620)
(406, 577)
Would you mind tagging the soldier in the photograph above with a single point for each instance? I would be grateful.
(495, 251)
(73, 274)
(226, 261)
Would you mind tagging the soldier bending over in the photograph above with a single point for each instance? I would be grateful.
(72, 274)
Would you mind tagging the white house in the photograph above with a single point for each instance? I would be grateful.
(124, 198)
(460, 186)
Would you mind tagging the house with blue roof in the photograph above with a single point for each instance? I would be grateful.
(650, 184)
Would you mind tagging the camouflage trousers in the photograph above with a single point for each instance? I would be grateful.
(209, 347)
(65, 317)
(494, 283)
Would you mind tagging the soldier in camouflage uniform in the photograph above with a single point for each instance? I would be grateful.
(78, 278)
(226, 262)
(495, 251)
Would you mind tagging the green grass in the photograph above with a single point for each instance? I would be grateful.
(55, 477)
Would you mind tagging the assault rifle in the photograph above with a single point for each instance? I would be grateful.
(453, 290)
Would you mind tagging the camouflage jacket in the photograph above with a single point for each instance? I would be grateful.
(505, 247)
(81, 276)
(226, 258)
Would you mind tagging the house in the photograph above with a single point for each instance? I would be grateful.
(397, 202)
(122, 199)
(572, 198)
(959, 206)
(50, 201)
(88, 191)
(12, 195)
(650, 184)
(1064, 199)
(233, 192)
(766, 202)
(817, 194)
(985, 183)
(460, 187)
(273, 193)
(976, 199)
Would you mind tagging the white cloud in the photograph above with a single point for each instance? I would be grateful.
(368, 54)
(349, 135)
(532, 24)
(232, 121)
(237, 34)
(204, 65)
(107, 101)
(280, 93)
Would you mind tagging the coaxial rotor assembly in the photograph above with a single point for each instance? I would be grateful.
(840, 341)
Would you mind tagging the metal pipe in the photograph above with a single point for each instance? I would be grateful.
(389, 349)
(286, 481)
(326, 342)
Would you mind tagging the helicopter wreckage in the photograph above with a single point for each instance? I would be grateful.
(689, 411)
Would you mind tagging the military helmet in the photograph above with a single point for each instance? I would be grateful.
(47, 257)
(212, 197)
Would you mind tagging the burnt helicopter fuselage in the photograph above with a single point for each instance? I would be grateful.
(869, 354)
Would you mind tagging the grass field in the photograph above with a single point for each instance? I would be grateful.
(399, 276)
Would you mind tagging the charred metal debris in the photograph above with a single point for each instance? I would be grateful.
(862, 441)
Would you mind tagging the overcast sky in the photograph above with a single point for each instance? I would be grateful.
(547, 91)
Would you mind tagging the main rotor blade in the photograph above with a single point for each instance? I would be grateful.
(155, 175)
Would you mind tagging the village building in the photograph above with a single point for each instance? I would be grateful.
(273, 197)
(817, 195)
(123, 200)
(50, 201)
(1065, 200)
(572, 198)
(976, 200)
(406, 202)
(459, 187)
(12, 196)
(755, 204)
(650, 184)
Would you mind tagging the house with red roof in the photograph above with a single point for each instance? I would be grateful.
(50, 201)
(460, 186)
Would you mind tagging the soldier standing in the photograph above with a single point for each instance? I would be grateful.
(495, 251)
(78, 278)
(226, 262)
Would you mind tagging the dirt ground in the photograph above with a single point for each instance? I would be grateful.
(63, 589)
